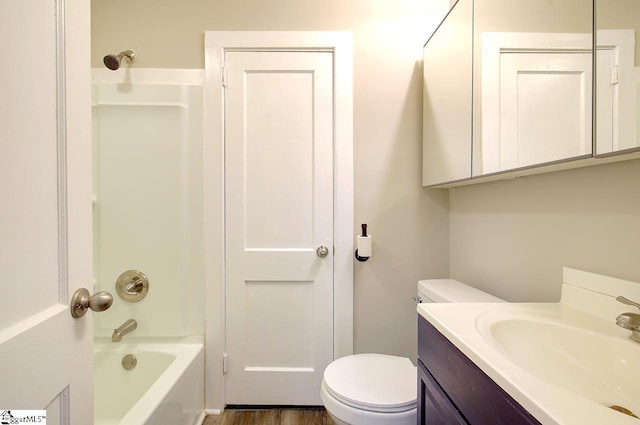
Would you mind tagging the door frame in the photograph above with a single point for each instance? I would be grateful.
(216, 44)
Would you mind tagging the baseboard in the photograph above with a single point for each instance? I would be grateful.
(200, 419)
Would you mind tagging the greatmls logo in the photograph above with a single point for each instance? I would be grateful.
(9, 417)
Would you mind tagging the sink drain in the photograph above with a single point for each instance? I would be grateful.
(129, 361)
(623, 410)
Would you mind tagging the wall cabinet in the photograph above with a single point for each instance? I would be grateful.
(509, 90)
(447, 99)
(452, 390)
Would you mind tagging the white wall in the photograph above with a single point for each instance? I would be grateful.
(511, 238)
(409, 224)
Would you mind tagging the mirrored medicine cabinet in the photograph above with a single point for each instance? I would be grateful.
(510, 88)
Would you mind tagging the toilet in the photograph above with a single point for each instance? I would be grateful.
(379, 389)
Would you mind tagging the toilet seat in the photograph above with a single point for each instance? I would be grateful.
(373, 382)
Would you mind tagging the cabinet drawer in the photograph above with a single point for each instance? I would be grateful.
(480, 400)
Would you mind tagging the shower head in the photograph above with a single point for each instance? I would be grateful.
(113, 61)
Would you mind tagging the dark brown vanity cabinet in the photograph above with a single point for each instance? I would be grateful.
(452, 390)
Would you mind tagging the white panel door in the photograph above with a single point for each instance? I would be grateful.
(279, 210)
(45, 219)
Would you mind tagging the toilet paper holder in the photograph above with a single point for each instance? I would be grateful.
(364, 245)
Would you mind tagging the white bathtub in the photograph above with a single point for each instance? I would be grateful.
(165, 387)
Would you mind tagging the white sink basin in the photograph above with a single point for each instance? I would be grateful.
(602, 368)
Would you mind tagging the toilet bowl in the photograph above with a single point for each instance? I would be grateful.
(373, 389)
(379, 389)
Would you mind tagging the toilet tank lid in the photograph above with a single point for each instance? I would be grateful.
(452, 291)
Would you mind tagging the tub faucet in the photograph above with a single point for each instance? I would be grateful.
(127, 327)
(630, 321)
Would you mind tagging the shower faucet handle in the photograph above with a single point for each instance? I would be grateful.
(132, 286)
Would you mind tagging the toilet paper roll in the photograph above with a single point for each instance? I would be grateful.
(364, 246)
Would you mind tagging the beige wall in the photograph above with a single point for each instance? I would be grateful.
(620, 14)
(409, 224)
(512, 237)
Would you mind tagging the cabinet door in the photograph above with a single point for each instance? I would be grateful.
(532, 83)
(434, 407)
(447, 99)
(536, 99)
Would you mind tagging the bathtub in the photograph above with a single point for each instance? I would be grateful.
(165, 387)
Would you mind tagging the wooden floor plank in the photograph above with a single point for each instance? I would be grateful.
(298, 416)
(275, 416)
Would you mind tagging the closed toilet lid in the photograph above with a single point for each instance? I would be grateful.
(373, 382)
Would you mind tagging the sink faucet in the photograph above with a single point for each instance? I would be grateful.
(127, 327)
(629, 321)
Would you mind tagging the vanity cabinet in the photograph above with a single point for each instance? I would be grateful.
(452, 390)
(434, 406)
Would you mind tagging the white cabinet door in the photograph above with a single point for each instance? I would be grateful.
(545, 107)
(536, 99)
(446, 99)
(279, 210)
(45, 219)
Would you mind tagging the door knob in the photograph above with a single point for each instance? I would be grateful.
(322, 251)
(81, 301)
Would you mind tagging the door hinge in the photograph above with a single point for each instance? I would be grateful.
(614, 75)
(224, 77)
(225, 363)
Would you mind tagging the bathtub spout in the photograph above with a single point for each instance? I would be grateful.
(127, 327)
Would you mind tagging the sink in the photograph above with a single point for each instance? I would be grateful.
(597, 366)
(566, 362)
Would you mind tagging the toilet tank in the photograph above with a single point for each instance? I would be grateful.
(452, 291)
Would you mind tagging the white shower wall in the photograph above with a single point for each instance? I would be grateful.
(148, 197)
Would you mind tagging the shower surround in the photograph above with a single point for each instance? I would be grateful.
(148, 195)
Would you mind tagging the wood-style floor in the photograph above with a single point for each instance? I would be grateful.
(275, 416)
